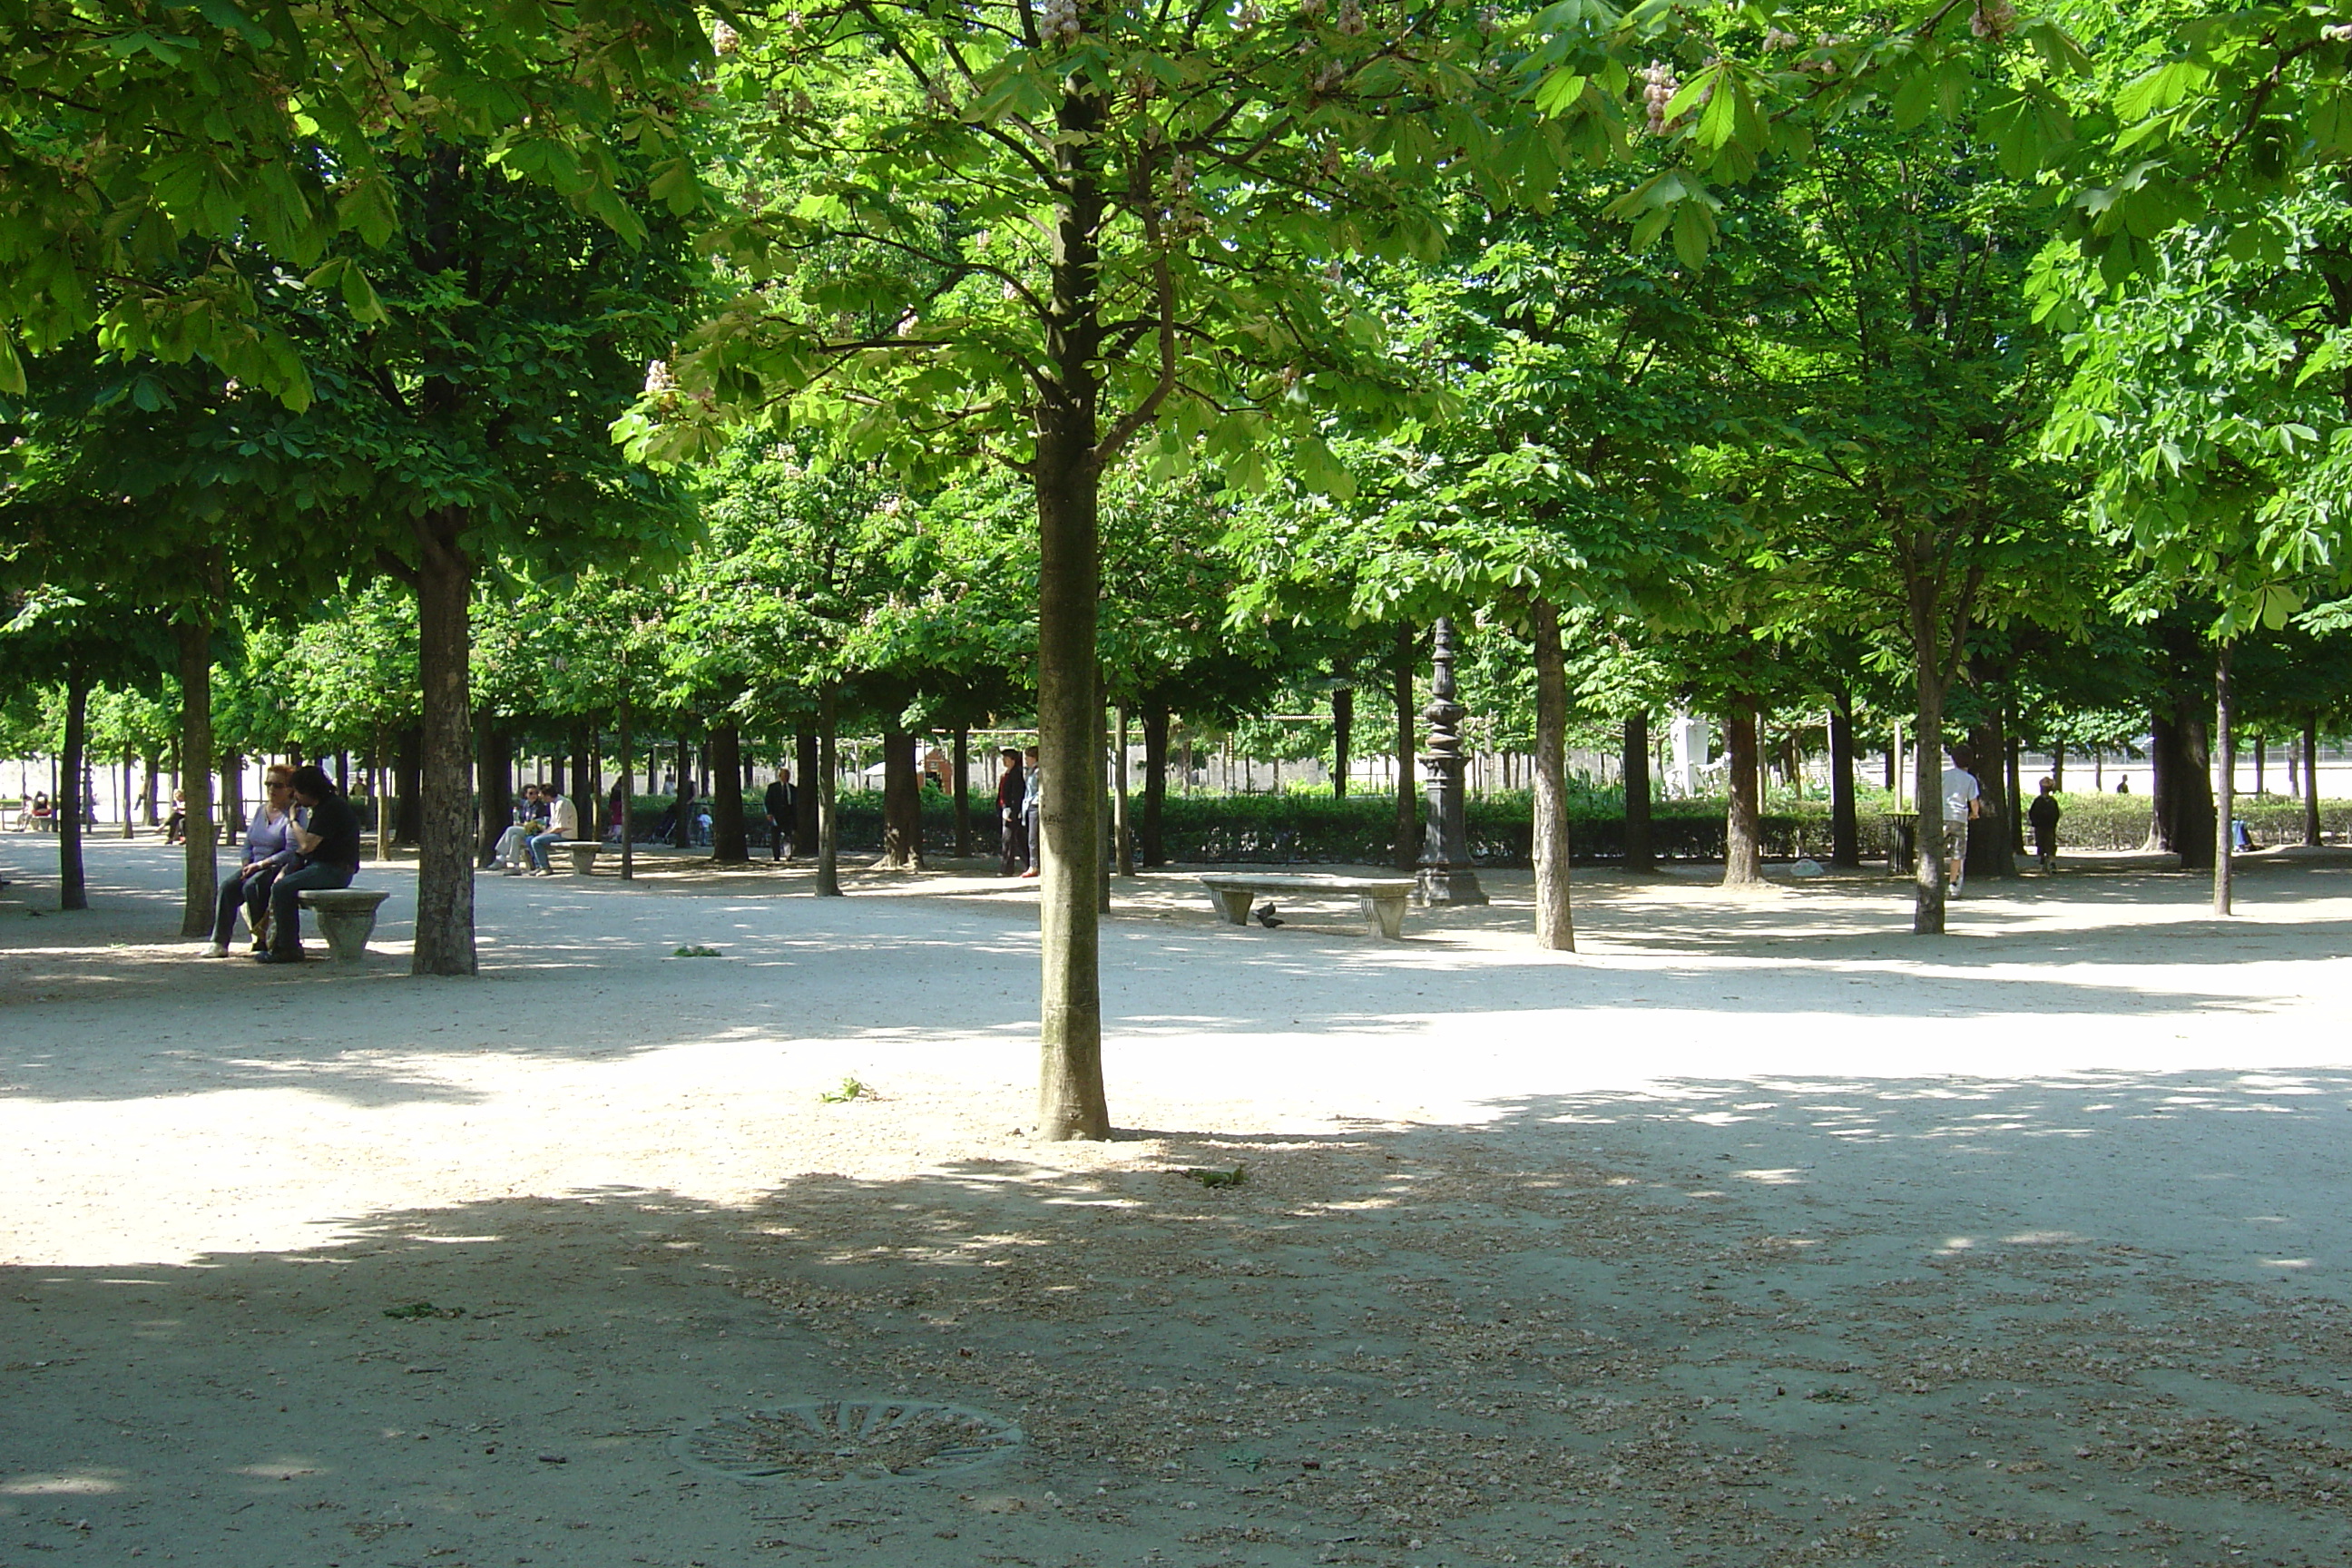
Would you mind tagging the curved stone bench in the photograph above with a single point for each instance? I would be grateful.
(346, 918)
(584, 854)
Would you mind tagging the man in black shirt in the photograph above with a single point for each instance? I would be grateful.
(779, 807)
(330, 859)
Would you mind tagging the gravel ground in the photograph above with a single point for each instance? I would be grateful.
(1758, 1233)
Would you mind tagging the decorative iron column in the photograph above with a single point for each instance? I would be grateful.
(1446, 877)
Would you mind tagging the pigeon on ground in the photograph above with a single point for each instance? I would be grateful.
(1267, 917)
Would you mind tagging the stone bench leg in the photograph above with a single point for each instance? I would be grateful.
(1386, 911)
(346, 931)
(583, 858)
(1233, 903)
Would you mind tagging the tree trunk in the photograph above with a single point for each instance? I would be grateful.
(1105, 818)
(1555, 917)
(1845, 832)
(1155, 782)
(2311, 777)
(962, 764)
(1633, 767)
(902, 803)
(2183, 765)
(1989, 852)
(805, 769)
(494, 784)
(129, 827)
(383, 800)
(1743, 846)
(73, 886)
(828, 822)
(2226, 742)
(444, 864)
(2163, 755)
(1343, 734)
(628, 780)
(2016, 797)
(729, 844)
(587, 789)
(1407, 823)
(201, 883)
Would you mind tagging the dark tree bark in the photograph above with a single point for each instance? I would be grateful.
(1122, 836)
(828, 824)
(494, 784)
(382, 799)
(2183, 790)
(1639, 855)
(1845, 832)
(1408, 821)
(1555, 915)
(202, 882)
(2016, 798)
(587, 789)
(73, 886)
(233, 813)
(729, 844)
(962, 765)
(2310, 778)
(1989, 852)
(444, 862)
(408, 788)
(628, 780)
(805, 768)
(902, 803)
(1743, 855)
(128, 829)
(1155, 784)
(2226, 741)
(1343, 734)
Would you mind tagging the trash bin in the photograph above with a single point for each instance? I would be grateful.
(1902, 844)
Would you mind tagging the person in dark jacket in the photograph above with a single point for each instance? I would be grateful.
(2043, 815)
(1012, 792)
(779, 804)
(330, 850)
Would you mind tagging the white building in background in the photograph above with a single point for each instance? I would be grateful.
(1688, 740)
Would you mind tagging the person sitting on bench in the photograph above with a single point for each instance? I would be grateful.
(330, 859)
(268, 851)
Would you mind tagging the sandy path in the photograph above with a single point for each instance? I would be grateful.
(2038, 1228)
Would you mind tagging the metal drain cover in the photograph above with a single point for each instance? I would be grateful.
(827, 1440)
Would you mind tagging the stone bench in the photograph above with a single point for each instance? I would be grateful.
(584, 854)
(1382, 898)
(346, 918)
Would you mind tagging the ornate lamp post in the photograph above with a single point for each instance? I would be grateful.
(1446, 877)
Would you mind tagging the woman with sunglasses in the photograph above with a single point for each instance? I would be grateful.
(268, 849)
(330, 859)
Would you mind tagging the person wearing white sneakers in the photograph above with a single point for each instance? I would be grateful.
(562, 826)
(268, 849)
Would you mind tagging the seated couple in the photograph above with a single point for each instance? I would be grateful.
(546, 820)
(304, 837)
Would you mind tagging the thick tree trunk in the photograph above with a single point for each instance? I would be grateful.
(1636, 766)
(805, 768)
(201, 883)
(2226, 743)
(828, 821)
(73, 886)
(1408, 823)
(1988, 851)
(2310, 778)
(1555, 917)
(2163, 753)
(444, 862)
(729, 843)
(1343, 734)
(493, 784)
(1743, 844)
(587, 789)
(1845, 832)
(2184, 787)
(902, 803)
(408, 788)
(962, 764)
(1931, 876)
(1155, 784)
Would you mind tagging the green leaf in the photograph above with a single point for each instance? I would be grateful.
(361, 296)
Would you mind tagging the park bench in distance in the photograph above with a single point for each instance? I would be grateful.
(1382, 898)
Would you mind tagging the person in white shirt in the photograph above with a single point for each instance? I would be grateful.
(562, 826)
(1961, 795)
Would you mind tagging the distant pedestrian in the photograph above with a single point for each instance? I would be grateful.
(616, 806)
(1033, 809)
(779, 804)
(1961, 793)
(1011, 794)
(330, 859)
(2123, 786)
(2043, 815)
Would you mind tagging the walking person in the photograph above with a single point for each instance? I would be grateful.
(1961, 793)
(330, 859)
(1012, 792)
(268, 849)
(1032, 843)
(2043, 815)
(563, 819)
(779, 804)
